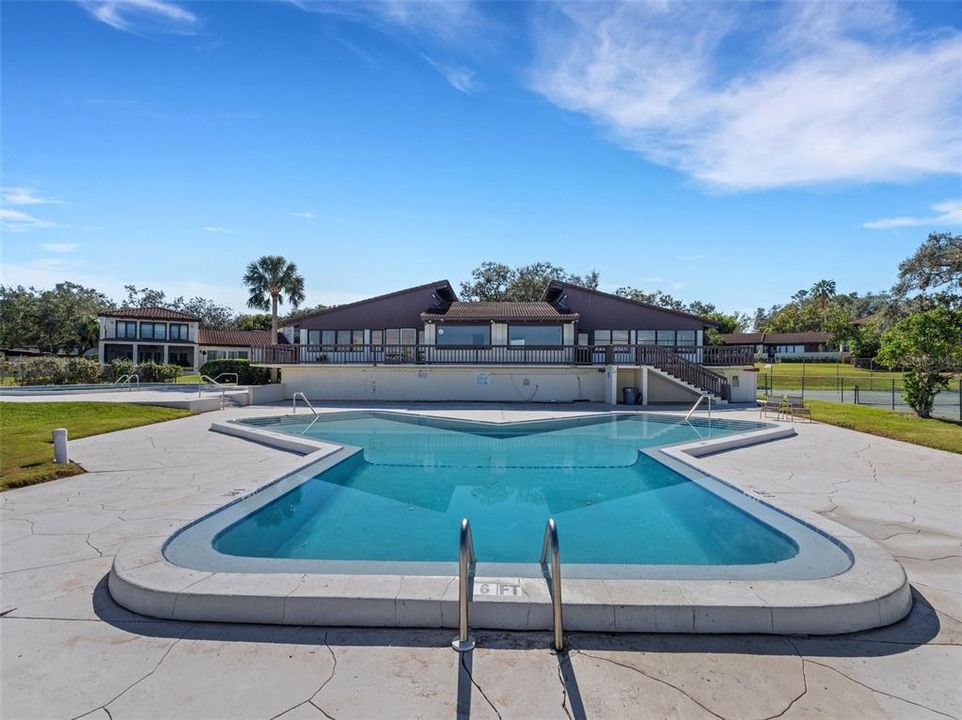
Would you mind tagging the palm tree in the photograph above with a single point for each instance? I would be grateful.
(270, 280)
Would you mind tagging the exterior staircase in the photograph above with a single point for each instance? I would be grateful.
(683, 371)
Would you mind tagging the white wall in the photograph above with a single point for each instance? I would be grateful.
(747, 381)
(446, 384)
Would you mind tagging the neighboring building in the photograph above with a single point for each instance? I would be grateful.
(422, 343)
(790, 346)
(170, 337)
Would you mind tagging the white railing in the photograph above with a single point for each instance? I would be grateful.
(697, 403)
(303, 397)
(127, 380)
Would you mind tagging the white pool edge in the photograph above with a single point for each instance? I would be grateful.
(873, 592)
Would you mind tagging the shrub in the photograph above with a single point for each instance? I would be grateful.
(117, 369)
(40, 371)
(246, 375)
(156, 372)
(79, 370)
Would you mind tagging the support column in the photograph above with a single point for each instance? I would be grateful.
(611, 384)
(644, 385)
(134, 353)
(166, 354)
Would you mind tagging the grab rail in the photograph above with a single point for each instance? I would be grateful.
(306, 402)
(466, 562)
(126, 380)
(210, 381)
(228, 374)
(551, 544)
(697, 403)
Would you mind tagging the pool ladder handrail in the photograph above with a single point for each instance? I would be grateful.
(306, 402)
(551, 546)
(466, 564)
(697, 403)
(127, 379)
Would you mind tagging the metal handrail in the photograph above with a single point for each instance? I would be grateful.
(551, 544)
(306, 402)
(466, 562)
(126, 380)
(697, 403)
(223, 374)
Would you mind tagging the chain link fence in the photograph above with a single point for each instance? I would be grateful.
(884, 392)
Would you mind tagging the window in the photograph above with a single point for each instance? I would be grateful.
(666, 337)
(313, 337)
(343, 337)
(126, 329)
(619, 337)
(153, 331)
(328, 337)
(645, 337)
(400, 336)
(377, 337)
(178, 331)
(297, 334)
(534, 335)
(602, 337)
(216, 355)
(686, 337)
(357, 337)
(464, 335)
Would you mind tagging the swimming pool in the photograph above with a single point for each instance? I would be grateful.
(392, 499)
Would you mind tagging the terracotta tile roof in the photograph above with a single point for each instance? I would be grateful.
(235, 338)
(769, 338)
(149, 313)
(503, 311)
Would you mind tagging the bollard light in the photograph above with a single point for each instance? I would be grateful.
(60, 454)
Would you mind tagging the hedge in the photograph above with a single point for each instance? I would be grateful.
(246, 375)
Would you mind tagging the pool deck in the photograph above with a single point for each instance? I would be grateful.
(69, 650)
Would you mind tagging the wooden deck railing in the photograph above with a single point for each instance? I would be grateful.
(653, 355)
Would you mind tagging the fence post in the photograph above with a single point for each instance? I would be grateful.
(841, 390)
(893, 393)
(855, 391)
(960, 399)
(803, 381)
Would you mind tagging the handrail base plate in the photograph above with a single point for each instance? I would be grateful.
(465, 646)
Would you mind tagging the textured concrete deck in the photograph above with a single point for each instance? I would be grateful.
(68, 650)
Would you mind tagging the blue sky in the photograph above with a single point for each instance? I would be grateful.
(726, 153)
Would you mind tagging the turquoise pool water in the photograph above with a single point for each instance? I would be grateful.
(402, 496)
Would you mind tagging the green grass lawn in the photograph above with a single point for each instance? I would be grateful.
(191, 378)
(828, 376)
(932, 432)
(26, 448)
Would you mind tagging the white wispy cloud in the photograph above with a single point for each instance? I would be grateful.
(139, 15)
(441, 18)
(59, 247)
(16, 221)
(26, 196)
(460, 78)
(306, 214)
(743, 96)
(946, 213)
(218, 229)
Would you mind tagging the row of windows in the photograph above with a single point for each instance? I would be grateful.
(151, 330)
(391, 336)
(480, 335)
(228, 355)
(643, 337)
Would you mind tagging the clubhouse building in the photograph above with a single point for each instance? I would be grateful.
(574, 344)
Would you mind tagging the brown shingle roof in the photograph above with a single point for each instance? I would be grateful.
(503, 311)
(234, 338)
(149, 313)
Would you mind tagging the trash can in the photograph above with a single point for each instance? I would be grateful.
(629, 395)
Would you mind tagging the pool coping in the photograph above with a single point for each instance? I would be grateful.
(873, 591)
